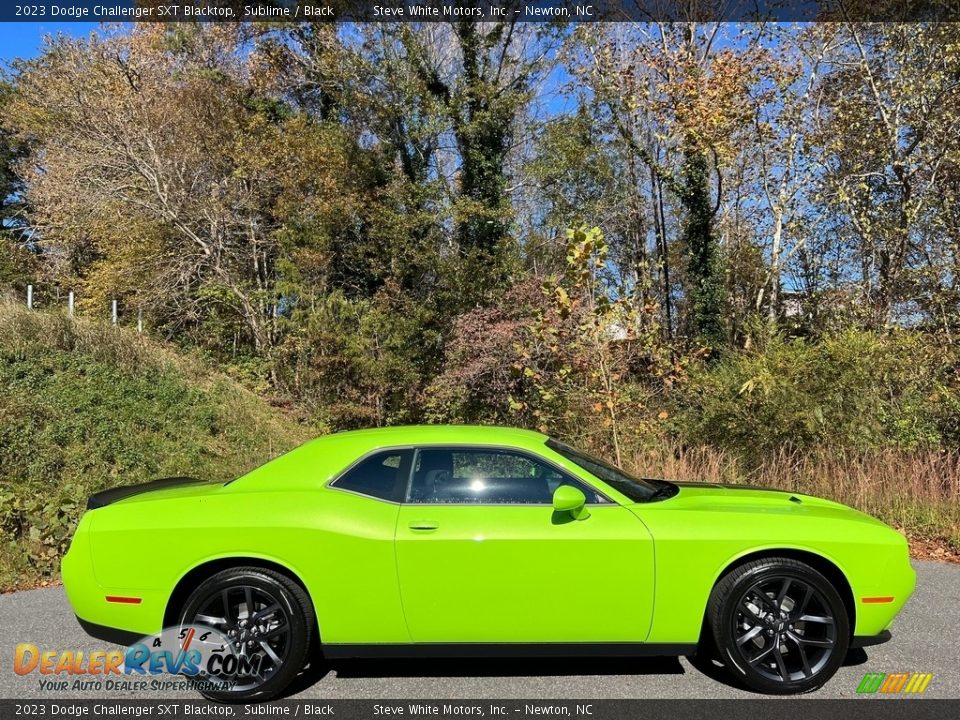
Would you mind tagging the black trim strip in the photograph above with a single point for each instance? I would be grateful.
(341, 651)
(861, 641)
(109, 634)
(106, 497)
(729, 486)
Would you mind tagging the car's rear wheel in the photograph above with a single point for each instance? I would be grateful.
(266, 621)
(779, 625)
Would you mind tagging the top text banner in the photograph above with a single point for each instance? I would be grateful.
(480, 10)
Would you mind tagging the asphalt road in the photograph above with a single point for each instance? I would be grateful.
(926, 638)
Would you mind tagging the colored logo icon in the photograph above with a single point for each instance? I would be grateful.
(894, 683)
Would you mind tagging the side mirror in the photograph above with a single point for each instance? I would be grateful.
(569, 499)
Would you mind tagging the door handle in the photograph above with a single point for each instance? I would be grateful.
(423, 525)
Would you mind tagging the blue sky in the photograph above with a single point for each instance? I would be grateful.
(22, 39)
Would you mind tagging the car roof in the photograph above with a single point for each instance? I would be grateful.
(324, 457)
(417, 434)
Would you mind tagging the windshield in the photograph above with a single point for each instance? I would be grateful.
(634, 488)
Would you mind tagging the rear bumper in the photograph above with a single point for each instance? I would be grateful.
(97, 605)
(862, 641)
(115, 636)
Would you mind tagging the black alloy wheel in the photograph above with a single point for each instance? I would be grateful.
(780, 626)
(266, 621)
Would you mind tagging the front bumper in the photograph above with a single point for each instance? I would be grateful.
(886, 591)
(862, 641)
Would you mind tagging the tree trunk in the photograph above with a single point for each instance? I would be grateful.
(773, 299)
(659, 222)
(706, 288)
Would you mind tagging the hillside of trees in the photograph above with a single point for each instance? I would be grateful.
(709, 251)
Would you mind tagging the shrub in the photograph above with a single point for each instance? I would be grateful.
(855, 390)
(483, 366)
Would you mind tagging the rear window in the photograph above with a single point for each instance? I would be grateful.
(381, 475)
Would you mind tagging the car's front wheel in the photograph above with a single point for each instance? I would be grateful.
(779, 625)
(263, 621)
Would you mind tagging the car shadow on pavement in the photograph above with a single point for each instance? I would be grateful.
(486, 667)
(515, 667)
(508, 667)
(714, 670)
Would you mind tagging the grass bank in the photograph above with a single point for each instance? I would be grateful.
(85, 406)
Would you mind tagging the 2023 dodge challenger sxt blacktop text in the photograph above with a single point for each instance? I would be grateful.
(466, 541)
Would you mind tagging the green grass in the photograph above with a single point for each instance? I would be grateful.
(85, 406)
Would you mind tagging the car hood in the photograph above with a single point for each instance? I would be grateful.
(750, 498)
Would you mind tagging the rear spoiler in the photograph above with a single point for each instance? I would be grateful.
(106, 497)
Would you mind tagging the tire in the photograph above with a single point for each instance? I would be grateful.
(280, 635)
(779, 626)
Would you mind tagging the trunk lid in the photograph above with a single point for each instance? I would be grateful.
(162, 488)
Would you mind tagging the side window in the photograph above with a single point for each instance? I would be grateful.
(382, 475)
(480, 475)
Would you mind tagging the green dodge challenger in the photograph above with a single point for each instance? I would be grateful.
(482, 541)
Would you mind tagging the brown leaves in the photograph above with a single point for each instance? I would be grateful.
(709, 101)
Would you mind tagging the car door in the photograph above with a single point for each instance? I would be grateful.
(360, 602)
(482, 557)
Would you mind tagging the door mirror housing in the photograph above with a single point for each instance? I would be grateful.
(568, 499)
